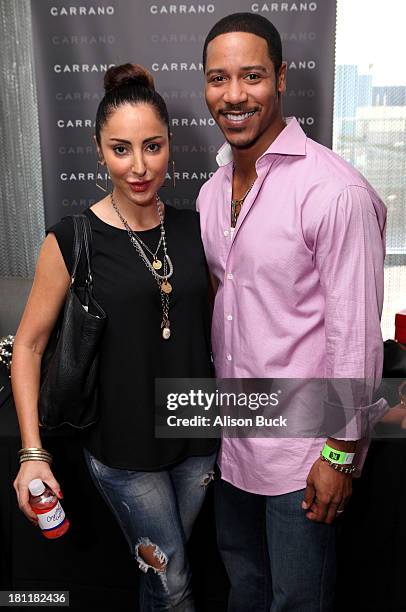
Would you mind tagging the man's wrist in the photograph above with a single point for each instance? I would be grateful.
(333, 455)
(342, 468)
(348, 446)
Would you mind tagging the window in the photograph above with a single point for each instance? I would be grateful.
(370, 121)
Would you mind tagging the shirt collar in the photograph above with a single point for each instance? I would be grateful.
(291, 141)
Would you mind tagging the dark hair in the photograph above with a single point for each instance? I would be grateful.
(128, 84)
(253, 24)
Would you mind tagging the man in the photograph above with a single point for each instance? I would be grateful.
(294, 239)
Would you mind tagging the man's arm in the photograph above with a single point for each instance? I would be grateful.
(349, 255)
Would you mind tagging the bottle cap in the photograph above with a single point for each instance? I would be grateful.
(400, 327)
(36, 487)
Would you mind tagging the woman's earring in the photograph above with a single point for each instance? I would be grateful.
(173, 174)
(101, 185)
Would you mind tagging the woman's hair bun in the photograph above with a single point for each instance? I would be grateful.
(127, 74)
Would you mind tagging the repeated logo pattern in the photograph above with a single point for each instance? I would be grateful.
(75, 45)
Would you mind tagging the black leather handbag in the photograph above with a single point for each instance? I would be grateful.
(69, 367)
(6, 351)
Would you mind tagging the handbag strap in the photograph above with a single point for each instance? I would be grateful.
(82, 241)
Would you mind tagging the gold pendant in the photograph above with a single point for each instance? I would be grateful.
(166, 287)
(165, 326)
(157, 264)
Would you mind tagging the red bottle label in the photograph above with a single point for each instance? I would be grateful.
(51, 518)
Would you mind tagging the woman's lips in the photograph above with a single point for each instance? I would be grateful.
(139, 186)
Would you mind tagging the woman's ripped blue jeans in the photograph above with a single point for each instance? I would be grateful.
(156, 512)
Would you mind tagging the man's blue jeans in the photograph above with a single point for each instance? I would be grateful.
(157, 509)
(277, 559)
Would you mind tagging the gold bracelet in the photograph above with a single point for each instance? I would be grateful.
(38, 452)
(34, 455)
(34, 451)
(46, 459)
(32, 448)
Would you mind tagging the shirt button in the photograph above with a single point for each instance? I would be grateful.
(226, 232)
(230, 276)
(229, 358)
(229, 317)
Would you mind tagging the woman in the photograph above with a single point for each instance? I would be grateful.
(150, 277)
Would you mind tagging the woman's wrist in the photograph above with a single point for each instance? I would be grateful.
(34, 454)
(30, 432)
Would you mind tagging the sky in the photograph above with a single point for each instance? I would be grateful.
(371, 35)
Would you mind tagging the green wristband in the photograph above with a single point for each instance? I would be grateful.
(337, 456)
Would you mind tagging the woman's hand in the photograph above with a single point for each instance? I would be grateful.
(28, 471)
(395, 415)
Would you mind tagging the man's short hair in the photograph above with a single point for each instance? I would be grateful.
(253, 24)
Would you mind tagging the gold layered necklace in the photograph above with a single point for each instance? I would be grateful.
(167, 267)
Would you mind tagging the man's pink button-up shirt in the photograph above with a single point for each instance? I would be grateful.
(300, 288)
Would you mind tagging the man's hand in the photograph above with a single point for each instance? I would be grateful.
(327, 492)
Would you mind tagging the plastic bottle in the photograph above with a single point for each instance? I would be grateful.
(51, 516)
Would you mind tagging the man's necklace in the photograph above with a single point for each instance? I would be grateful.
(162, 279)
(236, 205)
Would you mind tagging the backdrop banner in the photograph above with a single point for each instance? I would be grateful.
(76, 42)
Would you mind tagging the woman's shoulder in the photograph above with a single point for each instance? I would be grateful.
(63, 231)
(65, 224)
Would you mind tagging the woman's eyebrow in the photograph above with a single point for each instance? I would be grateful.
(159, 136)
(120, 140)
(153, 138)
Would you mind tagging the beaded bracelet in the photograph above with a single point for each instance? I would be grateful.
(343, 469)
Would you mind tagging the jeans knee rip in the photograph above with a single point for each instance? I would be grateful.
(158, 554)
(207, 478)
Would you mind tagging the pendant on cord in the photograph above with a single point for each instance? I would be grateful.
(166, 286)
(157, 264)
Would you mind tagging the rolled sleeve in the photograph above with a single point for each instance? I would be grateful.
(350, 251)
